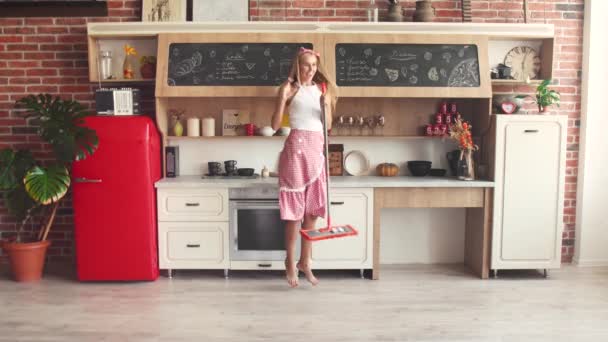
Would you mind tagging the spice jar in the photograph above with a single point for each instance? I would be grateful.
(336, 155)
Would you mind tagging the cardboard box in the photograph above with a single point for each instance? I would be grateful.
(232, 121)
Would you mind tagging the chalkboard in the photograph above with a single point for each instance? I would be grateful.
(230, 64)
(407, 65)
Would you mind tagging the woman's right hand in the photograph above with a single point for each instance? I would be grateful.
(288, 89)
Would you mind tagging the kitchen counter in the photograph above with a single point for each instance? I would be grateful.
(336, 181)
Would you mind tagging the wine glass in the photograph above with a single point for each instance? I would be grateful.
(350, 122)
(381, 121)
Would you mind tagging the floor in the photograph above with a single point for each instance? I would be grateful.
(408, 303)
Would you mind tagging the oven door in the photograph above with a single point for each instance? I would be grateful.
(257, 232)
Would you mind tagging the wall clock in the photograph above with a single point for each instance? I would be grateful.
(524, 62)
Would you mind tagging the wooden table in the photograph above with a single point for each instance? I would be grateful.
(476, 200)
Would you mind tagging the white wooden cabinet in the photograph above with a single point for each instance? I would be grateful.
(529, 176)
(192, 205)
(193, 229)
(194, 245)
(352, 206)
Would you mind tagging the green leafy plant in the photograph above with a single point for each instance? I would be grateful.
(28, 185)
(147, 60)
(544, 96)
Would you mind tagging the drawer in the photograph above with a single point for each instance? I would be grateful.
(193, 245)
(193, 205)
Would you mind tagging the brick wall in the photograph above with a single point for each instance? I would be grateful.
(49, 55)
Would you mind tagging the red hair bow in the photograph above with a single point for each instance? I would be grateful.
(304, 50)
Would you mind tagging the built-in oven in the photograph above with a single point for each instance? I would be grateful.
(257, 233)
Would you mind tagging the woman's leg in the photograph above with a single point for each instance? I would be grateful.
(306, 251)
(291, 235)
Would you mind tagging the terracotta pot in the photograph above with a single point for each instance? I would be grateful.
(26, 259)
(148, 70)
(425, 12)
(395, 13)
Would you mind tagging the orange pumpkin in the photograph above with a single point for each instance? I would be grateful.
(387, 169)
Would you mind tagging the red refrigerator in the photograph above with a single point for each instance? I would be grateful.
(114, 201)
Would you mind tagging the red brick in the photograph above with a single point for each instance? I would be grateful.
(39, 55)
(25, 80)
(41, 72)
(42, 89)
(23, 64)
(40, 39)
(56, 47)
(52, 29)
(342, 4)
(22, 47)
(38, 21)
(10, 22)
(75, 89)
(19, 30)
(12, 72)
(11, 39)
(58, 64)
(308, 3)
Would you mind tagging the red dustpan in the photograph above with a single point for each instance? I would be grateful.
(329, 232)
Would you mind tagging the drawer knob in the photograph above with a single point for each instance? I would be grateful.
(192, 204)
(193, 246)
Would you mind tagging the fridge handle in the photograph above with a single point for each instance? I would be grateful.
(86, 180)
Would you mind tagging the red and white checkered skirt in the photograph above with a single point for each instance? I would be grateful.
(302, 176)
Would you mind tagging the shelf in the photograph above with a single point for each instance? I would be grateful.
(259, 137)
(516, 82)
(138, 80)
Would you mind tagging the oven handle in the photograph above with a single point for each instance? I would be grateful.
(253, 203)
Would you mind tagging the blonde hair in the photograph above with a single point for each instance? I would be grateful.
(319, 77)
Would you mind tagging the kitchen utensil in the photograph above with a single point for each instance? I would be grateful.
(266, 131)
(419, 168)
(328, 232)
(437, 172)
(356, 163)
(245, 171)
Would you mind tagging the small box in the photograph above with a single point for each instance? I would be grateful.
(336, 153)
(232, 121)
(171, 161)
(113, 101)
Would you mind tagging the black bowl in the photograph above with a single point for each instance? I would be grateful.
(437, 172)
(245, 172)
(419, 168)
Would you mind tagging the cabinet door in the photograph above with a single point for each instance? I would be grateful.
(198, 245)
(192, 205)
(530, 202)
(348, 207)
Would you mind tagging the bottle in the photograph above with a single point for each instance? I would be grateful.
(106, 65)
(265, 172)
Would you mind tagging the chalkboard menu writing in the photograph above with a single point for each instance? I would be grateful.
(236, 64)
(407, 65)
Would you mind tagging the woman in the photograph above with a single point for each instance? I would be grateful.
(302, 173)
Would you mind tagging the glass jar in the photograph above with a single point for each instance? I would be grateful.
(106, 65)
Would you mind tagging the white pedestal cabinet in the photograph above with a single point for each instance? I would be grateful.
(529, 165)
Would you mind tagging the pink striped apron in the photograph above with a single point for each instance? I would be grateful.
(302, 176)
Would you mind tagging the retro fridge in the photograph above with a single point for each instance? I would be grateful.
(114, 201)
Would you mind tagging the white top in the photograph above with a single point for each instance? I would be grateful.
(305, 109)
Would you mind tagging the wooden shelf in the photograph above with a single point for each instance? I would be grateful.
(259, 137)
(138, 80)
(516, 82)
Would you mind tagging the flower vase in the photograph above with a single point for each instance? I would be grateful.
(178, 129)
(466, 166)
(127, 69)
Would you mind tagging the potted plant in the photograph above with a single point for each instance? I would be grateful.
(34, 189)
(544, 96)
(148, 66)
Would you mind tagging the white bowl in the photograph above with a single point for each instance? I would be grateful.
(284, 131)
(356, 163)
(266, 131)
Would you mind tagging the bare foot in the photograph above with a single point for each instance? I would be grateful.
(305, 268)
(291, 273)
